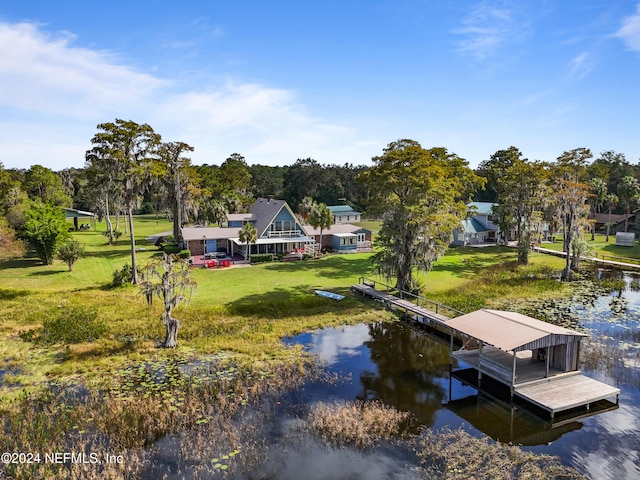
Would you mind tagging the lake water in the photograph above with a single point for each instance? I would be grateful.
(408, 369)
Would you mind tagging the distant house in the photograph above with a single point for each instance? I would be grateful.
(342, 238)
(620, 221)
(278, 232)
(478, 227)
(344, 214)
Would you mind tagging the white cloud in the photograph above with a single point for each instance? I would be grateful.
(54, 94)
(46, 74)
(580, 65)
(488, 26)
(630, 31)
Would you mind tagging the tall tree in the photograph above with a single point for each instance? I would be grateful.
(612, 167)
(305, 208)
(521, 191)
(571, 196)
(248, 235)
(10, 245)
(41, 184)
(598, 199)
(127, 151)
(267, 180)
(320, 217)
(177, 177)
(421, 196)
(629, 195)
(46, 227)
(302, 180)
(610, 201)
(168, 278)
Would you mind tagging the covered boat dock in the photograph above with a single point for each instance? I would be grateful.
(537, 360)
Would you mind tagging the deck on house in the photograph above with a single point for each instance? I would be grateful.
(559, 391)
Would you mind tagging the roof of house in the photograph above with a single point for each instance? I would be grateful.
(265, 210)
(336, 229)
(209, 233)
(473, 226)
(240, 217)
(511, 330)
(606, 218)
(341, 209)
(74, 213)
(482, 208)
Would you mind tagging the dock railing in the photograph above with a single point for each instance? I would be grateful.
(412, 297)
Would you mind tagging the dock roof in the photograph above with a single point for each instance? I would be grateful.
(511, 330)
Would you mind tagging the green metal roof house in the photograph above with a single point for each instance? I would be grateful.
(344, 214)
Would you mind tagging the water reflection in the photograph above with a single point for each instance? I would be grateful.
(409, 370)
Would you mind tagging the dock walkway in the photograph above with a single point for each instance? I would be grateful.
(601, 262)
(557, 392)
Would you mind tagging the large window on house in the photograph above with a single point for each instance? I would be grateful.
(283, 225)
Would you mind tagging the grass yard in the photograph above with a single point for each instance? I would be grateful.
(245, 310)
(600, 247)
(135, 394)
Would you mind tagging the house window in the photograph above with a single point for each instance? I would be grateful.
(490, 218)
(340, 218)
(348, 218)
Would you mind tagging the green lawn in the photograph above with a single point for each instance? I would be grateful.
(245, 310)
(601, 247)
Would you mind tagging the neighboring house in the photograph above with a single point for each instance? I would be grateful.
(344, 214)
(620, 221)
(478, 227)
(600, 220)
(278, 232)
(342, 238)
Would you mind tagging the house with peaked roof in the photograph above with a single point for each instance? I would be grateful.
(344, 214)
(342, 238)
(279, 231)
(478, 227)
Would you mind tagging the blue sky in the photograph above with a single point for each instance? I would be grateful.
(334, 80)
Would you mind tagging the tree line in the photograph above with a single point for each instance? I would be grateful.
(130, 169)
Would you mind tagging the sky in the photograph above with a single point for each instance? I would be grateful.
(335, 81)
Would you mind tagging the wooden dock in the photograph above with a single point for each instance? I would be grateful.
(565, 392)
(552, 388)
(600, 262)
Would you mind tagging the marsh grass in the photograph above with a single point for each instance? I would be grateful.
(132, 413)
(456, 455)
(360, 424)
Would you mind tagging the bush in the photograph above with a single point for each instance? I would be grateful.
(122, 276)
(170, 247)
(184, 253)
(261, 258)
(74, 324)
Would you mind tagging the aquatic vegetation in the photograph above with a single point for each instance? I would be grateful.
(359, 423)
(455, 454)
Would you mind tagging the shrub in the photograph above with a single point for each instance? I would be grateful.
(262, 258)
(184, 253)
(170, 247)
(122, 276)
(70, 252)
(74, 324)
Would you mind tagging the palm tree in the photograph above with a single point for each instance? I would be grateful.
(320, 217)
(306, 207)
(629, 193)
(248, 235)
(610, 201)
